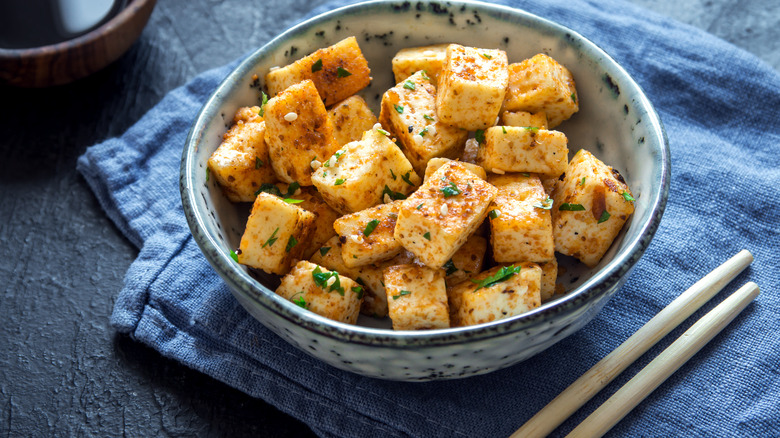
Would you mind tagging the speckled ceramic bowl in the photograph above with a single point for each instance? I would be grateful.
(616, 122)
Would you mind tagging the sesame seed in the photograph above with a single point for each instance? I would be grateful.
(429, 53)
(497, 171)
(297, 192)
(444, 209)
(315, 164)
(276, 67)
(331, 280)
(388, 199)
(377, 126)
(418, 138)
(432, 130)
(290, 117)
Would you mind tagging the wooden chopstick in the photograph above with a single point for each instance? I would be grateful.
(665, 364)
(596, 378)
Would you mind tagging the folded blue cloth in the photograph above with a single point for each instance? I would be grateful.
(719, 105)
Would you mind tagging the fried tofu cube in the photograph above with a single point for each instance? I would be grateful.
(507, 291)
(338, 71)
(240, 164)
(416, 297)
(371, 277)
(367, 235)
(310, 200)
(275, 234)
(520, 221)
(541, 84)
(435, 163)
(298, 131)
(591, 206)
(549, 277)
(413, 59)
(524, 118)
(323, 292)
(351, 118)
(408, 111)
(466, 261)
(438, 218)
(471, 88)
(248, 114)
(521, 149)
(364, 173)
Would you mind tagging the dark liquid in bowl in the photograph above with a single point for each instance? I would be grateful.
(35, 23)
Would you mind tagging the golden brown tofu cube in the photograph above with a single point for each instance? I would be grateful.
(413, 59)
(437, 219)
(248, 114)
(521, 149)
(338, 71)
(466, 261)
(591, 206)
(367, 235)
(549, 277)
(541, 84)
(520, 221)
(409, 113)
(310, 200)
(298, 131)
(524, 118)
(351, 118)
(471, 87)
(416, 297)
(435, 163)
(275, 234)
(498, 293)
(365, 173)
(323, 292)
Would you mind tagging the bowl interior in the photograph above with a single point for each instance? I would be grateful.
(616, 122)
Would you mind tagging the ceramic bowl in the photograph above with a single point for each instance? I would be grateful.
(616, 122)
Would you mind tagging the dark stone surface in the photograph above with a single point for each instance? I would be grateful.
(63, 370)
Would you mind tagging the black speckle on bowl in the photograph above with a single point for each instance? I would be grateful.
(611, 85)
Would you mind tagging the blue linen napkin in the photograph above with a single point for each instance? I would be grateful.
(719, 106)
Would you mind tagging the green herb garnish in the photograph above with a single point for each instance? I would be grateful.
(525, 174)
(419, 206)
(571, 207)
(208, 173)
(263, 101)
(533, 129)
(393, 195)
(358, 290)
(479, 135)
(321, 279)
(291, 242)
(370, 227)
(317, 66)
(300, 301)
(544, 205)
(342, 73)
(450, 268)
(627, 196)
(582, 181)
(425, 75)
(233, 255)
(400, 294)
(406, 178)
(503, 129)
(382, 131)
(503, 274)
(258, 163)
(573, 97)
(398, 108)
(494, 214)
(450, 190)
(427, 235)
(604, 216)
(409, 85)
(423, 132)
(271, 240)
(293, 201)
(324, 250)
(486, 56)
(427, 117)
(339, 181)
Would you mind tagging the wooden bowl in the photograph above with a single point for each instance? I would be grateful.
(74, 59)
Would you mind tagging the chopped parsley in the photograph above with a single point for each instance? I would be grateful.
(503, 129)
(271, 240)
(392, 174)
(398, 108)
(321, 279)
(339, 181)
(450, 190)
(544, 205)
(382, 131)
(263, 101)
(358, 290)
(406, 179)
(258, 163)
(425, 75)
(423, 132)
(571, 207)
(342, 73)
(400, 294)
(533, 129)
(479, 135)
(627, 196)
(450, 267)
(427, 235)
(291, 242)
(573, 97)
(525, 174)
(494, 214)
(503, 274)
(582, 181)
(324, 250)
(233, 255)
(272, 189)
(419, 206)
(409, 85)
(208, 173)
(486, 56)
(317, 66)
(427, 117)
(293, 201)
(604, 216)
(370, 227)
(393, 195)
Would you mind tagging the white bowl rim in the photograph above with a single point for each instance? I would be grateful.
(592, 289)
